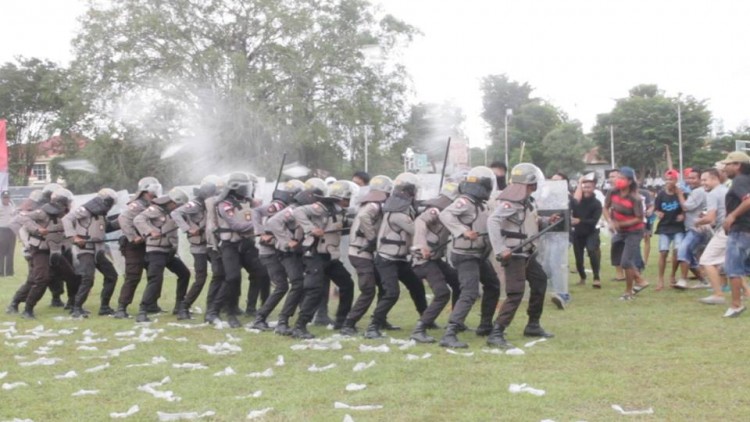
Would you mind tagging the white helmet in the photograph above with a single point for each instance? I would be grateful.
(149, 184)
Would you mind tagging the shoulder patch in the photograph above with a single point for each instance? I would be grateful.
(434, 211)
(315, 206)
(460, 202)
(271, 209)
(189, 205)
(507, 205)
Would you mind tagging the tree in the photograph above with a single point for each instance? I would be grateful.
(238, 82)
(645, 122)
(563, 149)
(31, 99)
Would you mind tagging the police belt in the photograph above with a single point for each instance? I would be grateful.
(392, 242)
(513, 235)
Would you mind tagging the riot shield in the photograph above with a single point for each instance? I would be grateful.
(552, 197)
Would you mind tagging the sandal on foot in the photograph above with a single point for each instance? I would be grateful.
(597, 284)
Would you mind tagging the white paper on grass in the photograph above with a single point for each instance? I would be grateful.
(91, 340)
(42, 350)
(533, 343)
(339, 405)
(232, 338)
(404, 344)
(252, 330)
(20, 420)
(12, 385)
(221, 349)
(181, 325)
(98, 368)
(383, 348)
(620, 410)
(67, 375)
(415, 357)
(280, 360)
(196, 310)
(255, 414)
(154, 361)
(317, 344)
(41, 362)
(524, 388)
(66, 331)
(265, 374)
(166, 417)
(348, 418)
(132, 411)
(151, 389)
(55, 342)
(254, 395)
(453, 352)
(87, 348)
(315, 368)
(3, 374)
(191, 366)
(85, 393)
(225, 372)
(19, 345)
(361, 366)
(347, 357)
(117, 352)
(130, 333)
(515, 352)
(355, 387)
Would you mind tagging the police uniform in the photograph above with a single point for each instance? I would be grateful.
(321, 261)
(469, 257)
(161, 253)
(88, 222)
(133, 249)
(270, 260)
(213, 252)
(191, 217)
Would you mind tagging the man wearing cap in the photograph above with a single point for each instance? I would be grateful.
(737, 226)
(7, 237)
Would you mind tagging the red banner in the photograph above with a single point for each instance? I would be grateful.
(3, 147)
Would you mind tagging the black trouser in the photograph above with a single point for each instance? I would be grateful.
(278, 279)
(157, 262)
(234, 257)
(318, 268)
(390, 273)
(217, 276)
(47, 267)
(134, 255)
(591, 244)
(260, 284)
(437, 273)
(88, 263)
(295, 272)
(473, 271)
(23, 290)
(7, 251)
(322, 310)
(368, 281)
(517, 271)
(200, 267)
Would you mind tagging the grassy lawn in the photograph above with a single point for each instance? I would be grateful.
(663, 350)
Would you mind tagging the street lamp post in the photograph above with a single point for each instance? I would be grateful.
(367, 144)
(679, 133)
(508, 113)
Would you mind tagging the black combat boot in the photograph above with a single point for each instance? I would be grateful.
(323, 321)
(12, 309)
(389, 327)
(233, 321)
(56, 302)
(121, 312)
(432, 326)
(420, 334)
(485, 326)
(373, 332)
(212, 314)
(78, 313)
(496, 338)
(249, 311)
(154, 309)
(300, 332)
(183, 311)
(142, 316)
(450, 340)
(348, 328)
(28, 313)
(69, 304)
(533, 329)
(106, 310)
(260, 323)
(282, 328)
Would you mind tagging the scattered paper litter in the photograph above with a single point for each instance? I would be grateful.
(361, 366)
(453, 352)
(280, 360)
(166, 417)
(3, 374)
(618, 408)
(232, 338)
(347, 357)
(154, 361)
(98, 368)
(515, 352)
(339, 405)
(20, 420)
(265, 374)
(355, 387)
(532, 343)
(523, 388)
(55, 342)
(252, 330)
(180, 325)
(42, 362)
(255, 414)
(221, 349)
(254, 395)
(19, 345)
(151, 389)
(87, 348)
(415, 357)
(43, 350)
(318, 344)
(66, 331)
(12, 385)
(191, 366)
(85, 393)
(67, 375)
(130, 333)
(315, 368)
(117, 352)
(383, 348)
(227, 371)
(132, 411)
(348, 418)
(196, 310)
(404, 344)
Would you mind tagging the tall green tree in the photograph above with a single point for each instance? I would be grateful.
(31, 99)
(245, 80)
(563, 149)
(645, 124)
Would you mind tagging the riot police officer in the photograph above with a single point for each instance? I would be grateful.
(515, 220)
(466, 219)
(132, 244)
(323, 223)
(362, 246)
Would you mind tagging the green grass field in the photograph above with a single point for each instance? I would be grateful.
(663, 350)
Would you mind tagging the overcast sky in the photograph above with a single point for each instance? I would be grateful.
(577, 54)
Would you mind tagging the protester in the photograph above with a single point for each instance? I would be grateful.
(671, 227)
(7, 237)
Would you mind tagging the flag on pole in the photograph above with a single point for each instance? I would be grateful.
(3, 156)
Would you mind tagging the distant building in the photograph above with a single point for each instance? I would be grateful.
(46, 151)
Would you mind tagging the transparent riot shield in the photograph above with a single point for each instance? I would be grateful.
(552, 197)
